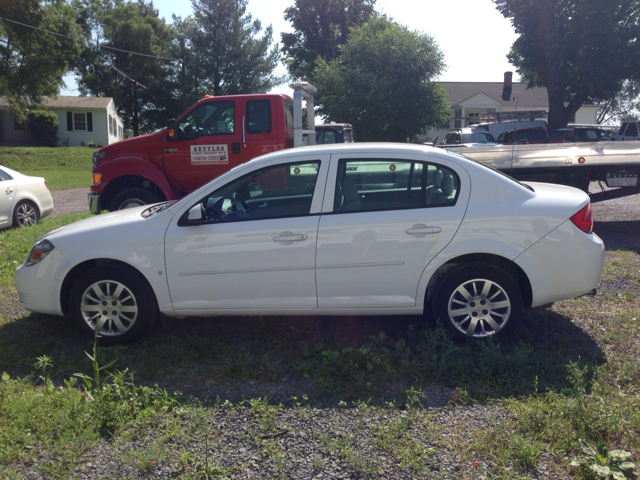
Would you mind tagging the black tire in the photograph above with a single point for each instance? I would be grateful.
(491, 298)
(133, 197)
(118, 301)
(25, 214)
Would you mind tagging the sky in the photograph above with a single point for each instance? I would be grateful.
(474, 37)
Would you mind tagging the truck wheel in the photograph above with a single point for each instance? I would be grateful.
(117, 303)
(133, 197)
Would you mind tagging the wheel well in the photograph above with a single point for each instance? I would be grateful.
(75, 273)
(504, 264)
(119, 184)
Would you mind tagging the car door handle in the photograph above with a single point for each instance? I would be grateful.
(9, 191)
(422, 230)
(290, 237)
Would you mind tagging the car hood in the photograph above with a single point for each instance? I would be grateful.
(114, 223)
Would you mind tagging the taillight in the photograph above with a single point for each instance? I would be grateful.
(45, 184)
(583, 219)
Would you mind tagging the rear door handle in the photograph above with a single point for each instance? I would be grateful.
(422, 230)
(288, 237)
(9, 191)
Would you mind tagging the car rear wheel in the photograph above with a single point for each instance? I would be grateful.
(478, 301)
(133, 197)
(115, 303)
(25, 214)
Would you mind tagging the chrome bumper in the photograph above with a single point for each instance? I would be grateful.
(94, 203)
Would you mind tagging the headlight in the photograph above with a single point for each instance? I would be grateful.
(38, 252)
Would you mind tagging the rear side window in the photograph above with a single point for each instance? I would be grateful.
(258, 116)
(4, 176)
(377, 184)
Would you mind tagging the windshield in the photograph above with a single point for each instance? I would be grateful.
(478, 137)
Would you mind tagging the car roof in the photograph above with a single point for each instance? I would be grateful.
(361, 148)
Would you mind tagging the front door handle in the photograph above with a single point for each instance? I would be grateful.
(421, 229)
(288, 237)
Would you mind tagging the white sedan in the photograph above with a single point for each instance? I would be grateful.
(358, 229)
(24, 200)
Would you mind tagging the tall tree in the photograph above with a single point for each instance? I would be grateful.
(128, 60)
(33, 61)
(579, 50)
(320, 28)
(383, 82)
(230, 56)
(624, 106)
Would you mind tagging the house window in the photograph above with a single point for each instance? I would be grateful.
(110, 125)
(18, 126)
(79, 121)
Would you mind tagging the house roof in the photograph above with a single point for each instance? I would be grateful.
(530, 98)
(71, 102)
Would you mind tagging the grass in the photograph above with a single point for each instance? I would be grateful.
(62, 168)
(571, 372)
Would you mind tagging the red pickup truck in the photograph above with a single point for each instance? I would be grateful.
(211, 137)
(526, 136)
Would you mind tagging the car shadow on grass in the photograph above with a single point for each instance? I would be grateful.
(374, 359)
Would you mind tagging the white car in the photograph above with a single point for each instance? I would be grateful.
(24, 200)
(355, 229)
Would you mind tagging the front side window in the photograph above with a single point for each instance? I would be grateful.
(372, 184)
(211, 118)
(79, 121)
(271, 192)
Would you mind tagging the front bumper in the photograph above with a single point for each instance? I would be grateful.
(94, 203)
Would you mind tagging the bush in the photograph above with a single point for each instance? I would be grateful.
(43, 127)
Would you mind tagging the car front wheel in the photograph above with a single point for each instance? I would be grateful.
(478, 301)
(116, 304)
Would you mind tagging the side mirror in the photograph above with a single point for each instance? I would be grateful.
(171, 130)
(194, 216)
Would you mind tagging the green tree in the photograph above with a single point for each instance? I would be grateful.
(320, 28)
(33, 61)
(227, 54)
(624, 106)
(383, 82)
(579, 50)
(128, 59)
(43, 127)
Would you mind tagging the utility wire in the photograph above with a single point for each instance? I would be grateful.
(82, 40)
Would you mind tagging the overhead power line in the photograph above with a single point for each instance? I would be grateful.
(82, 40)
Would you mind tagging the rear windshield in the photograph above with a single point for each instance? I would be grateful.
(478, 137)
(451, 152)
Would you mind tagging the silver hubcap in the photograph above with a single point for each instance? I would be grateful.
(479, 308)
(109, 308)
(27, 215)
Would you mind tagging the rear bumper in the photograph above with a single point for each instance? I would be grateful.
(567, 263)
(94, 203)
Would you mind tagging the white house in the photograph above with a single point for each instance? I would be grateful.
(472, 99)
(82, 121)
